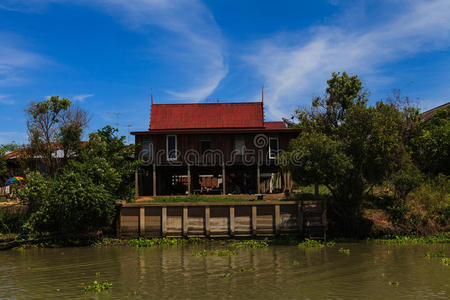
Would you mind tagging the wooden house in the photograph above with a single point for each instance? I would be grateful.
(222, 148)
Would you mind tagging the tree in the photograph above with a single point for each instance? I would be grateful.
(3, 166)
(346, 145)
(53, 122)
(109, 161)
(430, 146)
(81, 197)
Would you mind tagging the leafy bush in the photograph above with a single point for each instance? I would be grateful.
(72, 203)
(426, 209)
(10, 222)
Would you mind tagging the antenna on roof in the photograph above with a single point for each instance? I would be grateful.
(262, 95)
(151, 104)
(116, 114)
(262, 102)
(129, 131)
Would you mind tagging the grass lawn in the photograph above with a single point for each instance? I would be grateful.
(323, 190)
(200, 198)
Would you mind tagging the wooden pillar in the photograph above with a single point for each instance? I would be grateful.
(231, 220)
(258, 179)
(185, 221)
(141, 221)
(136, 183)
(154, 179)
(277, 218)
(254, 216)
(207, 214)
(224, 181)
(300, 217)
(324, 219)
(164, 221)
(289, 181)
(189, 179)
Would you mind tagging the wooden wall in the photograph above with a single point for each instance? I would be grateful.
(224, 142)
(215, 219)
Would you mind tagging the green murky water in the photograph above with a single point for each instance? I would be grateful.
(277, 272)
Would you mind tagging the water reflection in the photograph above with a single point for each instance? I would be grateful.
(277, 272)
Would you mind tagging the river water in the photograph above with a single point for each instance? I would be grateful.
(369, 271)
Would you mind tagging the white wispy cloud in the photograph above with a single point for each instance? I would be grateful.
(295, 65)
(194, 42)
(82, 97)
(197, 45)
(15, 60)
(5, 99)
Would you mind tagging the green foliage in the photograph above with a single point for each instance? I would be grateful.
(155, 242)
(424, 210)
(10, 147)
(98, 286)
(108, 162)
(48, 123)
(445, 261)
(107, 242)
(3, 165)
(254, 244)
(406, 179)
(430, 146)
(71, 203)
(307, 243)
(439, 254)
(3, 161)
(345, 251)
(443, 238)
(346, 146)
(11, 222)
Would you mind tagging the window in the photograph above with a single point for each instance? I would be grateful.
(273, 147)
(147, 147)
(171, 147)
(239, 144)
(205, 144)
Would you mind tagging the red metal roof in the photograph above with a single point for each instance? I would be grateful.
(275, 125)
(207, 115)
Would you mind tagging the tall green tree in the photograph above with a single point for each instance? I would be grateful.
(346, 145)
(54, 124)
(430, 147)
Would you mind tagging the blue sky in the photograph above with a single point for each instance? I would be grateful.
(106, 55)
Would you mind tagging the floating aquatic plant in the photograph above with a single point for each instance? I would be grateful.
(439, 254)
(254, 244)
(98, 286)
(144, 242)
(346, 251)
(394, 283)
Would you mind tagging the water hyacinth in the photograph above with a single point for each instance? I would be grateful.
(98, 286)
(254, 244)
